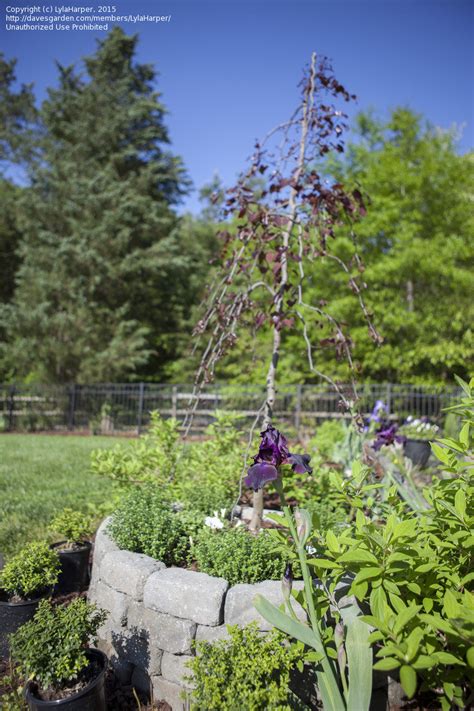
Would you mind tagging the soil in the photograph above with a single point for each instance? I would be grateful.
(17, 599)
(85, 677)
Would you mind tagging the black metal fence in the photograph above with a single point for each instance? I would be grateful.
(121, 408)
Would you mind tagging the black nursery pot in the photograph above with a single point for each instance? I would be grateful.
(90, 698)
(74, 571)
(418, 450)
(12, 616)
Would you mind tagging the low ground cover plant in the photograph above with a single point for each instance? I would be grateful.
(51, 648)
(145, 522)
(247, 671)
(415, 428)
(30, 573)
(237, 556)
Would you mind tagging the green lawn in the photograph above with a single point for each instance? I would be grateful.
(41, 474)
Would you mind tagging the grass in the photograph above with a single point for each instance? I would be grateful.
(42, 474)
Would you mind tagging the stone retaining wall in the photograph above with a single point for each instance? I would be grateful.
(156, 612)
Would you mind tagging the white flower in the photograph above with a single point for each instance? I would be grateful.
(213, 522)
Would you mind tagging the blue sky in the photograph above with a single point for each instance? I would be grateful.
(229, 68)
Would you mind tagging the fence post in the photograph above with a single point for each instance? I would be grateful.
(72, 407)
(388, 397)
(141, 393)
(298, 410)
(174, 402)
(11, 407)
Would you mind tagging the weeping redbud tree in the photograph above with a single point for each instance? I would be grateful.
(282, 216)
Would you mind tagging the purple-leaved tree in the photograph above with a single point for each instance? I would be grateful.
(282, 215)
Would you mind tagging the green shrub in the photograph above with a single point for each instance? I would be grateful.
(32, 571)
(413, 571)
(74, 526)
(145, 523)
(328, 435)
(152, 458)
(50, 648)
(204, 475)
(208, 475)
(237, 555)
(248, 671)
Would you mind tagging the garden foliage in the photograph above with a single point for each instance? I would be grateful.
(410, 569)
(203, 475)
(50, 648)
(30, 572)
(248, 671)
(145, 523)
(74, 526)
(237, 555)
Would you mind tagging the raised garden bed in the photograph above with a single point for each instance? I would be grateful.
(155, 614)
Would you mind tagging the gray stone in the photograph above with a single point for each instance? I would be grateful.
(211, 634)
(103, 543)
(164, 690)
(173, 634)
(187, 594)
(138, 650)
(173, 668)
(127, 572)
(141, 681)
(115, 603)
(239, 607)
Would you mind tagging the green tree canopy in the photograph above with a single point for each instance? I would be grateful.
(418, 248)
(416, 242)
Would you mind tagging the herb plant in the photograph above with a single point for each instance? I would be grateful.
(74, 526)
(248, 671)
(237, 555)
(31, 572)
(50, 648)
(410, 566)
(145, 523)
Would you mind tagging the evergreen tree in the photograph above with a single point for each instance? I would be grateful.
(95, 287)
(17, 116)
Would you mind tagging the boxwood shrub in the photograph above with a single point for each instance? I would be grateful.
(247, 671)
(144, 522)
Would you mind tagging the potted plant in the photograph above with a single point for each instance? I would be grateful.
(418, 437)
(24, 580)
(53, 654)
(73, 550)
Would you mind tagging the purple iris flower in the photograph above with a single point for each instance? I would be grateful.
(387, 436)
(378, 412)
(274, 452)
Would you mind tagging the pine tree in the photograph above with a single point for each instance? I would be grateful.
(94, 285)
